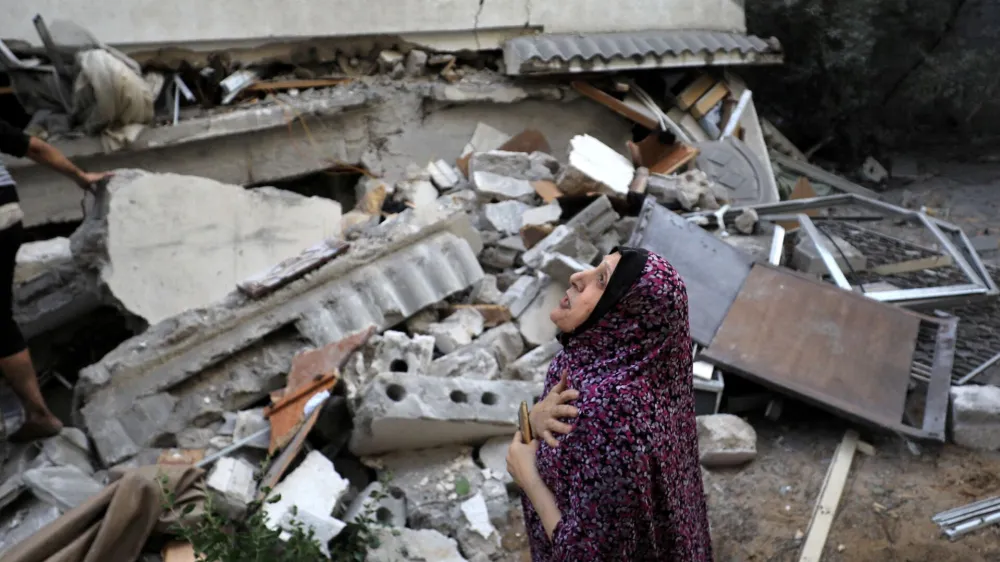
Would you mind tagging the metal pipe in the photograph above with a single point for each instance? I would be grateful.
(237, 445)
(978, 370)
(828, 259)
(976, 524)
(777, 245)
(926, 293)
(958, 519)
(950, 247)
(966, 508)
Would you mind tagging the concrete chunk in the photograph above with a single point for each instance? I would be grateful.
(233, 353)
(595, 218)
(443, 174)
(493, 455)
(725, 440)
(392, 351)
(486, 291)
(406, 412)
(536, 166)
(519, 295)
(35, 258)
(485, 138)
(975, 416)
(314, 488)
(806, 258)
(471, 362)
(389, 510)
(563, 240)
(534, 365)
(545, 214)
(456, 330)
(413, 545)
(506, 216)
(536, 326)
(249, 422)
(420, 193)
(560, 267)
(229, 234)
(504, 342)
(491, 186)
(233, 480)
(593, 166)
(62, 486)
(70, 448)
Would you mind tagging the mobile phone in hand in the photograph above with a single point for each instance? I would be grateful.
(524, 424)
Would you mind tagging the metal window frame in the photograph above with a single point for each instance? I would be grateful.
(980, 286)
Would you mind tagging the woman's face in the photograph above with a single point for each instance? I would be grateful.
(585, 289)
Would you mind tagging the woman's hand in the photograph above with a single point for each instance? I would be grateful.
(544, 416)
(521, 462)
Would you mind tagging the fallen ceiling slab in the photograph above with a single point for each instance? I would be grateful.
(832, 347)
(613, 52)
(713, 271)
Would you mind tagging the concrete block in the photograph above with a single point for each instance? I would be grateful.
(389, 510)
(593, 166)
(232, 479)
(975, 416)
(249, 422)
(506, 216)
(477, 533)
(225, 357)
(456, 330)
(625, 226)
(608, 241)
(519, 295)
(324, 528)
(418, 323)
(805, 258)
(536, 326)
(420, 193)
(725, 440)
(443, 174)
(230, 233)
(62, 486)
(484, 139)
(390, 352)
(595, 218)
(560, 267)
(416, 62)
(413, 545)
(492, 186)
(314, 488)
(503, 341)
(546, 214)
(35, 258)
(30, 518)
(563, 240)
(493, 455)
(434, 482)
(534, 365)
(70, 448)
(471, 362)
(536, 166)
(486, 291)
(406, 412)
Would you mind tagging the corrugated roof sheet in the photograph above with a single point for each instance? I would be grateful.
(643, 49)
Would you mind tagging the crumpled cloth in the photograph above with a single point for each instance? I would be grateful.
(111, 98)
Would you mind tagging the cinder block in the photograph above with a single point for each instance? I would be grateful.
(563, 240)
(456, 330)
(975, 416)
(406, 412)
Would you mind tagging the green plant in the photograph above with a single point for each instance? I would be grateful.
(354, 542)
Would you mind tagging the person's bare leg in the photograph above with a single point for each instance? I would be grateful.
(39, 421)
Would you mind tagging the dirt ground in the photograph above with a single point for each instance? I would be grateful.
(757, 511)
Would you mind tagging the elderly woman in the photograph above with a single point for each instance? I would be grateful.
(623, 483)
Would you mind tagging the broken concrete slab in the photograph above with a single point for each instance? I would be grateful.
(493, 455)
(390, 352)
(312, 490)
(477, 533)
(443, 174)
(560, 267)
(494, 187)
(484, 139)
(563, 240)
(725, 440)
(134, 395)
(594, 167)
(70, 448)
(546, 214)
(518, 296)
(503, 341)
(536, 166)
(35, 258)
(31, 517)
(229, 233)
(806, 258)
(250, 422)
(232, 479)
(486, 291)
(406, 412)
(62, 486)
(534, 365)
(536, 326)
(54, 298)
(975, 416)
(413, 545)
(389, 509)
(506, 216)
(472, 362)
(456, 330)
(595, 218)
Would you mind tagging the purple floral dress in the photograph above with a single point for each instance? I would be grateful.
(627, 478)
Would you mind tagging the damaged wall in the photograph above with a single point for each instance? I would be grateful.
(917, 69)
(385, 125)
(214, 25)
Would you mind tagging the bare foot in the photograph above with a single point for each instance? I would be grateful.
(37, 427)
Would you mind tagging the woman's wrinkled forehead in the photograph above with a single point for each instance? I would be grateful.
(609, 263)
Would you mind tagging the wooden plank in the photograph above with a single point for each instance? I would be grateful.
(694, 91)
(493, 314)
(918, 264)
(287, 414)
(708, 101)
(939, 386)
(292, 268)
(275, 85)
(616, 105)
(816, 173)
(284, 460)
(547, 190)
(829, 498)
(851, 354)
(176, 551)
(681, 155)
(689, 124)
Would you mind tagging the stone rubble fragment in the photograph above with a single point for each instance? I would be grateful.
(519, 295)
(35, 258)
(746, 221)
(563, 240)
(492, 186)
(313, 489)
(250, 422)
(416, 62)
(405, 412)
(62, 486)
(806, 258)
(493, 455)
(484, 139)
(595, 167)
(725, 440)
(506, 216)
(595, 218)
(413, 545)
(536, 326)
(503, 341)
(390, 352)
(443, 175)
(456, 330)
(419, 193)
(70, 448)
(486, 291)
(472, 362)
(534, 365)
(389, 509)
(560, 267)
(536, 166)
(546, 214)
(975, 416)
(232, 479)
